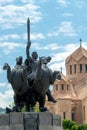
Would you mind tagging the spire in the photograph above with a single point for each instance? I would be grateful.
(80, 42)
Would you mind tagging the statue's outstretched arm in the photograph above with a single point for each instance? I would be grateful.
(28, 50)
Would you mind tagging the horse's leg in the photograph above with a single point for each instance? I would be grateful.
(27, 102)
(27, 108)
(32, 100)
(17, 101)
(50, 97)
(42, 104)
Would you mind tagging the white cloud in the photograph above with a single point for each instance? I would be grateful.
(6, 99)
(53, 46)
(5, 85)
(28, 1)
(37, 36)
(63, 3)
(10, 36)
(84, 44)
(2, 84)
(65, 28)
(4, 2)
(8, 47)
(1, 69)
(13, 14)
(57, 66)
(59, 56)
(71, 47)
(67, 14)
(68, 49)
(34, 36)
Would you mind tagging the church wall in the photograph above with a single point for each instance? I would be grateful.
(82, 61)
(78, 112)
(62, 107)
(70, 62)
(52, 107)
(84, 110)
(61, 87)
(80, 85)
(78, 74)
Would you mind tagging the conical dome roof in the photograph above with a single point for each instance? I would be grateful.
(77, 54)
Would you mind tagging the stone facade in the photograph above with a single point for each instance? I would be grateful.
(71, 91)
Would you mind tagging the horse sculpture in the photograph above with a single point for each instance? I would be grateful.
(30, 88)
(31, 81)
(17, 77)
(41, 81)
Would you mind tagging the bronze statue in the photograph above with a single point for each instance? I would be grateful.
(31, 80)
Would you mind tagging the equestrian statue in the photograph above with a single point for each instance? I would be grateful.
(31, 79)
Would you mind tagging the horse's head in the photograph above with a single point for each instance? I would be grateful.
(57, 75)
(45, 60)
(5, 66)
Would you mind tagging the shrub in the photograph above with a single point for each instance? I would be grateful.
(82, 127)
(67, 124)
(74, 127)
(72, 123)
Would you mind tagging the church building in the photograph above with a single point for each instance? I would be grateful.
(71, 91)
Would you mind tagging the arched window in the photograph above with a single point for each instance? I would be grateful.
(62, 87)
(56, 86)
(73, 116)
(64, 115)
(80, 68)
(70, 69)
(67, 87)
(84, 112)
(75, 69)
(86, 68)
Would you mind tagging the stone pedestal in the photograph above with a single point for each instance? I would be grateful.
(30, 121)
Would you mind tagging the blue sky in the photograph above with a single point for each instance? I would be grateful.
(56, 27)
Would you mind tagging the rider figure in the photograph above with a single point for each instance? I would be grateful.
(33, 64)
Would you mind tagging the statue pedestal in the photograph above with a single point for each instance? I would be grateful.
(30, 121)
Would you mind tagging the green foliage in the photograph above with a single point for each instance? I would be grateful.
(72, 123)
(82, 127)
(37, 109)
(74, 127)
(23, 109)
(67, 124)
